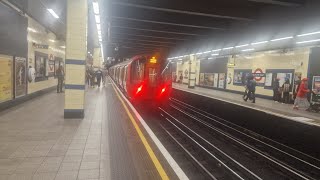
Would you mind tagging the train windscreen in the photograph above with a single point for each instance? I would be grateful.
(138, 70)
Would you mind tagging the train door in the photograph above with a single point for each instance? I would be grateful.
(120, 75)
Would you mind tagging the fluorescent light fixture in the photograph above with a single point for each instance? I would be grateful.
(102, 51)
(180, 57)
(199, 53)
(246, 50)
(261, 42)
(244, 45)
(99, 27)
(97, 17)
(95, 7)
(227, 48)
(31, 30)
(310, 41)
(215, 50)
(207, 52)
(51, 40)
(191, 54)
(214, 54)
(63, 47)
(308, 34)
(284, 38)
(51, 11)
(185, 56)
(99, 32)
(210, 58)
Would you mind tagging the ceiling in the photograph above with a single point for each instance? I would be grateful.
(149, 26)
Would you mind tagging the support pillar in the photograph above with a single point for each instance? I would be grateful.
(192, 72)
(97, 57)
(76, 51)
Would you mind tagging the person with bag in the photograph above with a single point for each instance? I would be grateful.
(302, 96)
(286, 88)
(251, 86)
(276, 90)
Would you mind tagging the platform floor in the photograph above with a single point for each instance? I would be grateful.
(36, 142)
(269, 106)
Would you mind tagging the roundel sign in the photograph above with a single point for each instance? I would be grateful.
(258, 74)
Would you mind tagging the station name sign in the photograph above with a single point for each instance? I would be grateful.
(40, 46)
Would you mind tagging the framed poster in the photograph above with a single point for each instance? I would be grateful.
(316, 89)
(20, 66)
(281, 74)
(240, 76)
(215, 80)
(222, 80)
(208, 79)
(41, 66)
(6, 67)
(201, 82)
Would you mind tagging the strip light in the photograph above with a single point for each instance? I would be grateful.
(246, 50)
(51, 11)
(244, 45)
(191, 54)
(215, 50)
(227, 48)
(207, 52)
(308, 34)
(199, 53)
(310, 41)
(214, 54)
(284, 38)
(261, 42)
(99, 27)
(97, 17)
(95, 7)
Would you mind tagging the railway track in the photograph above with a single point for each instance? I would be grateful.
(224, 150)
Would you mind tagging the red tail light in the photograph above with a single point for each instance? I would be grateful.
(139, 89)
(163, 90)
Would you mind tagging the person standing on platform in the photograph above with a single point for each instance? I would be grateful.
(296, 88)
(60, 75)
(181, 78)
(286, 91)
(99, 75)
(302, 95)
(251, 86)
(276, 90)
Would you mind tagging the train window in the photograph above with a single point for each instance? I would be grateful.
(138, 70)
(152, 77)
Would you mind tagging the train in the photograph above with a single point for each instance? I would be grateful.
(143, 78)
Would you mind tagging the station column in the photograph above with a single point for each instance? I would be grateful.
(76, 51)
(192, 72)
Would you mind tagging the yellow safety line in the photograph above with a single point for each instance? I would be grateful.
(153, 157)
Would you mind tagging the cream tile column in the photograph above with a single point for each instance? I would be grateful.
(192, 72)
(76, 50)
(97, 57)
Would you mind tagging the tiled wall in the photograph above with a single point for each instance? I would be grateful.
(39, 35)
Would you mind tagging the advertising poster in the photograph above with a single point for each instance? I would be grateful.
(50, 68)
(40, 66)
(240, 76)
(282, 78)
(5, 78)
(268, 80)
(201, 82)
(222, 79)
(215, 80)
(208, 79)
(316, 89)
(20, 76)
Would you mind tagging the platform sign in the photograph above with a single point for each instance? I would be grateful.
(316, 89)
(20, 66)
(5, 78)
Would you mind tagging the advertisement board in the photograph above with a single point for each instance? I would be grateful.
(208, 79)
(222, 80)
(20, 67)
(5, 78)
(215, 80)
(316, 89)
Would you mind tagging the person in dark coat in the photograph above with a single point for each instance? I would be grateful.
(276, 90)
(99, 75)
(286, 91)
(60, 76)
(251, 86)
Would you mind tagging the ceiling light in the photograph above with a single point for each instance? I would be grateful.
(97, 17)
(180, 57)
(244, 45)
(246, 50)
(227, 48)
(191, 54)
(284, 38)
(99, 27)
(207, 52)
(51, 40)
(214, 54)
(95, 7)
(31, 29)
(51, 11)
(185, 56)
(63, 47)
(308, 34)
(199, 53)
(210, 58)
(261, 42)
(215, 50)
(310, 41)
